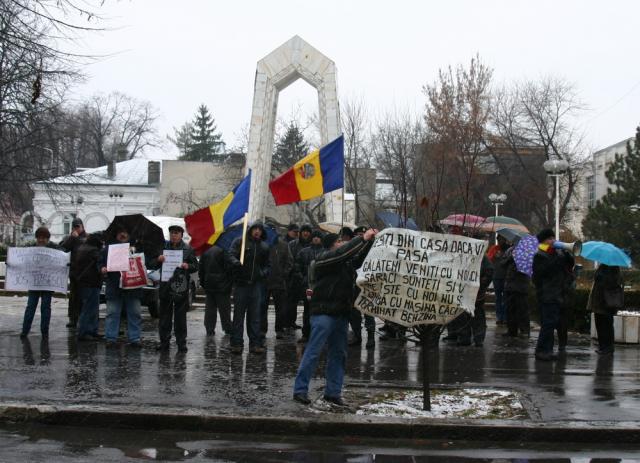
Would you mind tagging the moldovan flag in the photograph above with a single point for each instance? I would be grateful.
(318, 173)
(206, 225)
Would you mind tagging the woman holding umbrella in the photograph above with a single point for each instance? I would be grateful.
(607, 282)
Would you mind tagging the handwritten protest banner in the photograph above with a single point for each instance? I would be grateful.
(37, 269)
(172, 260)
(413, 278)
(118, 257)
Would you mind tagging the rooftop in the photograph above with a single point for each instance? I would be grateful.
(132, 172)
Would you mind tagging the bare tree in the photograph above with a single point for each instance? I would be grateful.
(396, 141)
(357, 156)
(456, 117)
(538, 115)
(111, 121)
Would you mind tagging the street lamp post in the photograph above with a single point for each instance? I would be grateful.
(555, 168)
(497, 201)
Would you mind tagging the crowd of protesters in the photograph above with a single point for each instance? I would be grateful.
(316, 269)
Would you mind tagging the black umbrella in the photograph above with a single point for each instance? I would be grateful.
(511, 235)
(143, 231)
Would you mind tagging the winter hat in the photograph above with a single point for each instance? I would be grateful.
(360, 229)
(545, 234)
(329, 239)
(306, 227)
(77, 221)
(346, 231)
(293, 227)
(176, 228)
(317, 234)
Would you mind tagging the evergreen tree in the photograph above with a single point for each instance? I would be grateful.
(182, 138)
(290, 148)
(205, 143)
(615, 218)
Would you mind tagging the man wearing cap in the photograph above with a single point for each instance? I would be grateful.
(549, 273)
(331, 302)
(296, 289)
(292, 233)
(304, 259)
(174, 293)
(71, 244)
(249, 280)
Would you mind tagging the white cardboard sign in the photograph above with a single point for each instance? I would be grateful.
(413, 278)
(37, 268)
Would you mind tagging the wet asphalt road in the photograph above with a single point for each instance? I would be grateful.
(580, 386)
(38, 443)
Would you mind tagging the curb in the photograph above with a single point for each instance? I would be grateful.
(326, 426)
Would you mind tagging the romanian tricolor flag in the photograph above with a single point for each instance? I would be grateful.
(206, 225)
(318, 173)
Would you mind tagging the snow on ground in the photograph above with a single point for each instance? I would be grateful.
(461, 403)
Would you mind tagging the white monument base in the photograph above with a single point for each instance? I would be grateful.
(626, 327)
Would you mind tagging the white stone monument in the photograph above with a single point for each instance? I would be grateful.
(293, 60)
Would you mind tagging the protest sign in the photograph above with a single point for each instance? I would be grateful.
(172, 260)
(37, 268)
(413, 278)
(118, 257)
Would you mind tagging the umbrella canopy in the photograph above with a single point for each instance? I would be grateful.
(463, 220)
(391, 219)
(144, 232)
(334, 227)
(605, 253)
(492, 224)
(523, 254)
(511, 235)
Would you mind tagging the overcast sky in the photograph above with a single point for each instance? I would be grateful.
(178, 54)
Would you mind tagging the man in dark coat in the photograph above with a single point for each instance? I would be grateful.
(549, 269)
(331, 302)
(295, 288)
(281, 263)
(292, 233)
(499, 269)
(476, 325)
(249, 288)
(89, 282)
(516, 290)
(71, 244)
(606, 278)
(174, 293)
(215, 278)
(301, 272)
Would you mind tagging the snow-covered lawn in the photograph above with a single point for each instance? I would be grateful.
(454, 403)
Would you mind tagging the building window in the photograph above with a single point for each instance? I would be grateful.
(591, 191)
(66, 223)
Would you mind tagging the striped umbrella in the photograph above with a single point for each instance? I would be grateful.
(492, 224)
(462, 220)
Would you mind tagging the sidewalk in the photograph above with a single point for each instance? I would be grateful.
(581, 397)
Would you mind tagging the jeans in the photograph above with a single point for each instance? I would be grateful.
(217, 302)
(331, 330)
(88, 320)
(247, 300)
(501, 309)
(30, 311)
(549, 316)
(173, 317)
(112, 322)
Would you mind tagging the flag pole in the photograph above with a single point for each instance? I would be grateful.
(244, 237)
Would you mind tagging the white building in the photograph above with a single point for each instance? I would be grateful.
(96, 196)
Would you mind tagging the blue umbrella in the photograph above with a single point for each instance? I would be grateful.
(605, 253)
(523, 254)
(391, 219)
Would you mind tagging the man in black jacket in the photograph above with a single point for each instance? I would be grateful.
(280, 263)
(174, 293)
(215, 278)
(331, 302)
(249, 287)
(295, 288)
(89, 282)
(71, 244)
(549, 273)
(301, 274)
